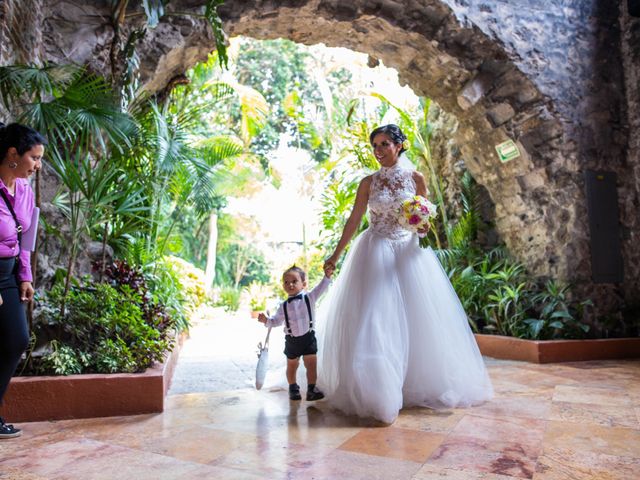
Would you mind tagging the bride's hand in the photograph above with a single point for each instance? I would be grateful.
(422, 232)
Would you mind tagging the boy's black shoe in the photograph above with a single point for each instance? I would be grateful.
(314, 394)
(294, 392)
(8, 431)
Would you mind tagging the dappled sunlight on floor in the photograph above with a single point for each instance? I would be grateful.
(562, 421)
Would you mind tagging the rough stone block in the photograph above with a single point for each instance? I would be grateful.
(533, 180)
(500, 114)
(474, 90)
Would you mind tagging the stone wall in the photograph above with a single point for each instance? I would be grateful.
(545, 73)
(20, 35)
(630, 27)
(570, 50)
(20, 31)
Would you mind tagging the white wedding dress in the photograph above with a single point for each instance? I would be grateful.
(392, 332)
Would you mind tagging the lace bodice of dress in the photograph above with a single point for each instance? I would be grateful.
(389, 187)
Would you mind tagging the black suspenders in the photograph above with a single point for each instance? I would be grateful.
(286, 314)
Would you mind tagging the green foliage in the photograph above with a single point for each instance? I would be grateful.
(64, 360)
(191, 280)
(229, 298)
(278, 69)
(104, 330)
(557, 315)
(211, 14)
(258, 294)
(238, 264)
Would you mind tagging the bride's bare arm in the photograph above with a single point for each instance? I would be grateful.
(359, 207)
(421, 184)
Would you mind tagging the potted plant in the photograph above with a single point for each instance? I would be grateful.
(258, 294)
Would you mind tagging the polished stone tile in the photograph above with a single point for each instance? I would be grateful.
(591, 413)
(481, 456)
(562, 464)
(566, 421)
(268, 459)
(428, 420)
(431, 472)
(89, 459)
(515, 406)
(576, 437)
(522, 430)
(18, 474)
(341, 464)
(595, 395)
(393, 442)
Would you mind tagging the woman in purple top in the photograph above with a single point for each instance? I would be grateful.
(21, 150)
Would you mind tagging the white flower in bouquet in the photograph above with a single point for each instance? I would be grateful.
(416, 213)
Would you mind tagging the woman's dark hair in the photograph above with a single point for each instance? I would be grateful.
(20, 137)
(393, 131)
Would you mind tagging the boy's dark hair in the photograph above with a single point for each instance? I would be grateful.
(298, 270)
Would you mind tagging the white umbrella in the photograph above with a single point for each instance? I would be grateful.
(263, 361)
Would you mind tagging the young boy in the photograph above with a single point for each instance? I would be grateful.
(297, 313)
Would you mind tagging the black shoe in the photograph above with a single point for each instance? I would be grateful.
(294, 392)
(314, 394)
(8, 431)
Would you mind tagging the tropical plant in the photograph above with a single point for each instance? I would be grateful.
(104, 329)
(85, 126)
(229, 298)
(258, 295)
(557, 314)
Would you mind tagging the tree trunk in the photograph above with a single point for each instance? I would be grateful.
(103, 265)
(210, 270)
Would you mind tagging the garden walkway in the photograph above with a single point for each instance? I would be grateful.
(552, 422)
(220, 354)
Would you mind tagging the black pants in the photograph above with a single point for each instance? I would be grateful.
(14, 336)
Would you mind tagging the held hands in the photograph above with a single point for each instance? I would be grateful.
(262, 318)
(330, 266)
(26, 292)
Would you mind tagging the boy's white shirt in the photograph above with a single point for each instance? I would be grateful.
(297, 310)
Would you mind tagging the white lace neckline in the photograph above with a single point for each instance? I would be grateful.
(392, 168)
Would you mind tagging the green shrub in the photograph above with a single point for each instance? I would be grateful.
(191, 280)
(105, 329)
(229, 298)
(258, 295)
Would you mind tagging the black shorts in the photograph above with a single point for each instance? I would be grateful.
(295, 347)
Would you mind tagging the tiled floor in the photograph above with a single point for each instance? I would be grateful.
(564, 421)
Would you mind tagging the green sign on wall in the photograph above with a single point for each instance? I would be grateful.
(507, 151)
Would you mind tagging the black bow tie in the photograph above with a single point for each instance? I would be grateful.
(295, 297)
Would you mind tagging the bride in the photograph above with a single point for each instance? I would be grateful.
(392, 330)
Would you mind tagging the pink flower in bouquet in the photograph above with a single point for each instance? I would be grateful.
(416, 213)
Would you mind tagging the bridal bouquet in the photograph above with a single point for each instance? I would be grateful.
(415, 214)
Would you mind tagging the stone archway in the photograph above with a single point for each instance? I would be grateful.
(494, 66)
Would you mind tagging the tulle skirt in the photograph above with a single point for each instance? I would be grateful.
(392, 333)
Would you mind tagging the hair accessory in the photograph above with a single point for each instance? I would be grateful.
(406, 144)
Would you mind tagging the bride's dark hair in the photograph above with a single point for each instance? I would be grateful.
(393, 131)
